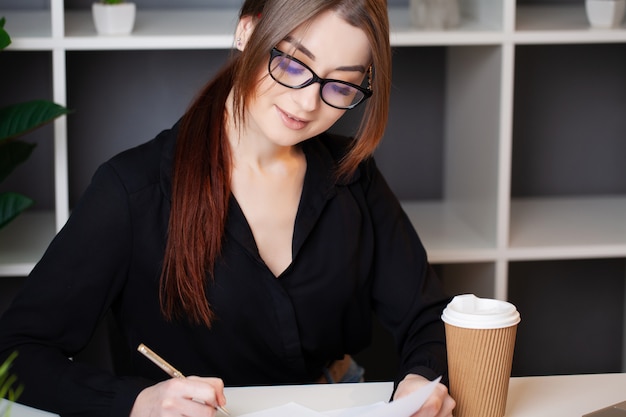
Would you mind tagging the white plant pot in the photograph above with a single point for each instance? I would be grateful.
(113, 19)
(605, 13)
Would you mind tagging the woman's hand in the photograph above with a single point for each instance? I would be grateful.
(192, 397)
(439, 404)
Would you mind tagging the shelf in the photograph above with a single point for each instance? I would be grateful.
(446, 236)
(568, 227)
(156, 29)
(213, 28)
(24, 241)
(207, 28)
(469, 32)
(27, 24)
(561, 24)
(29, 30)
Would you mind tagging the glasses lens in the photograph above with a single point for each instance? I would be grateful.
(341, 95)
(289, 72)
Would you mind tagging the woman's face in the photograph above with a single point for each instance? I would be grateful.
(330, 47)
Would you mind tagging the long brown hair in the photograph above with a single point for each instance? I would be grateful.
(202, 164)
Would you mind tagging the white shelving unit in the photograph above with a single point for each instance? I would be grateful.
(476, 230)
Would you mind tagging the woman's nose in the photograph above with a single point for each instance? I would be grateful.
(308, 98)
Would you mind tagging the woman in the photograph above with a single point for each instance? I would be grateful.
(245, 244)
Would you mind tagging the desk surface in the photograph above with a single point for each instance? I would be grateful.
(545, 396)
(566, 395)
(19, 410)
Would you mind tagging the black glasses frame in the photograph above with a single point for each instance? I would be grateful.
(367, 92)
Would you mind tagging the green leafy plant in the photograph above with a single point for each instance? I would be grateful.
(15, 121)
(8, 389)
(113, 1)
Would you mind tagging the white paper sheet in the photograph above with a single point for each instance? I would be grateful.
(355, 411)
(287, 410)
(404, 407)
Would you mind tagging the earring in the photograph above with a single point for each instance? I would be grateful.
(238, 43)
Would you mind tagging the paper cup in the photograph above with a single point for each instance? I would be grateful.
(480, 337)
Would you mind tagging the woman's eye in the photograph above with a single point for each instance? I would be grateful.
(342, 89)
(291, 67)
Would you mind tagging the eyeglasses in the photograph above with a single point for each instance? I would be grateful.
(292, 73)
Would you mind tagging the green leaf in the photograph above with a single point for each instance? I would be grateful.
(12, 154)
(5, 39)
(7, 381)
(8, 391)
(5, 388)
(4, 368)
(4, 376)
(18, 119)
(11, 205)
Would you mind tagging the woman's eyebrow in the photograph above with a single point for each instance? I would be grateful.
(357, 68)
(311, 55)
(300, 47)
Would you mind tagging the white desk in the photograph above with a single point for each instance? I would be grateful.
(19, 410)
(547, 396)
(567, 395)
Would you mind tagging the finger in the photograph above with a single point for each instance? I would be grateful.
(438, 404)
(198, 408)
(442, 406)
(218, 387)
(431, 407)
(207, 390)
(448, 406)
(178, 398)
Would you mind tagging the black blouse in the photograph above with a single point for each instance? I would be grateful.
(354, 252)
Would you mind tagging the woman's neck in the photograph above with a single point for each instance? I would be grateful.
(255, 151)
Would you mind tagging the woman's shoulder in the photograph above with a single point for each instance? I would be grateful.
(146, 163)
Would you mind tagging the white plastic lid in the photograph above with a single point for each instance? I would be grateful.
(472, 312)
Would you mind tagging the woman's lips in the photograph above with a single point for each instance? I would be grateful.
(290, 121)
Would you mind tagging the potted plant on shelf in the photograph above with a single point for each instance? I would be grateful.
(16, 120)
(113, 17)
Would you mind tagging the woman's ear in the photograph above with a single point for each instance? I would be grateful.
(245, 27)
